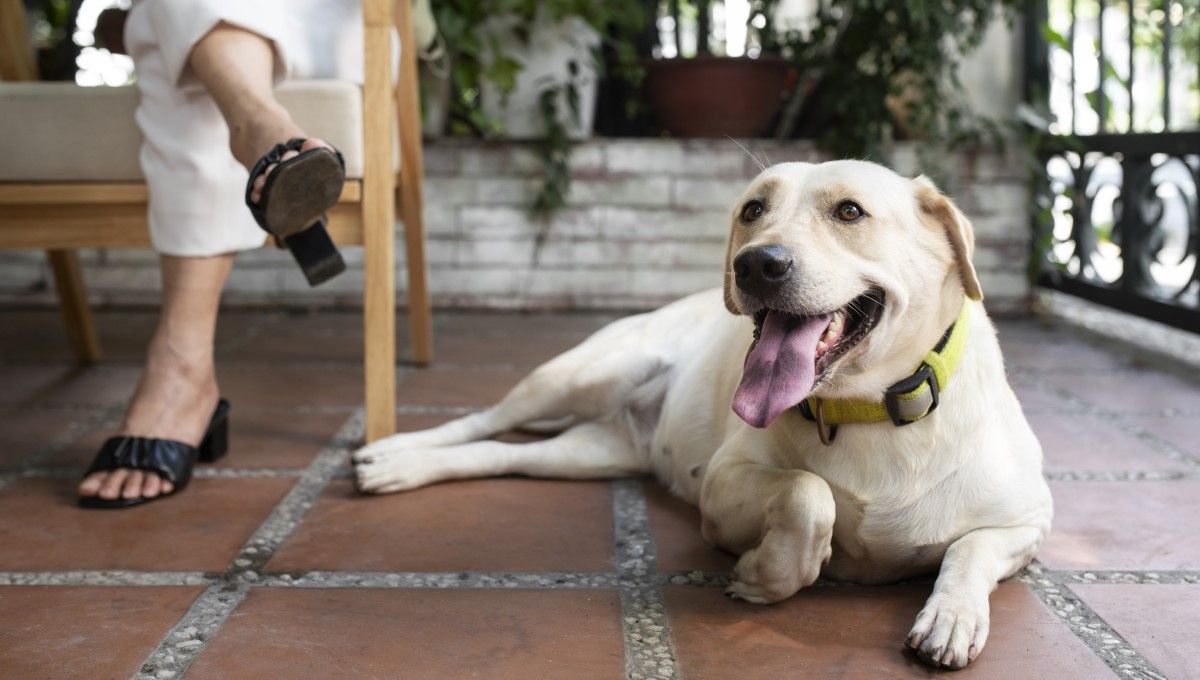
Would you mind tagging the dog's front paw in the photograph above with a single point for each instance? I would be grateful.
(371, 452)
(763, 575)
(950, 631)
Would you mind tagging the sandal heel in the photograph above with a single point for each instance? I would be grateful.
(316, 253)
(215, 444)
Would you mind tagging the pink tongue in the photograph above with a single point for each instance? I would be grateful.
(780, 370)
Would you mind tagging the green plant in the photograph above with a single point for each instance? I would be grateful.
(878, 66)
(477, 55)
(554, 149)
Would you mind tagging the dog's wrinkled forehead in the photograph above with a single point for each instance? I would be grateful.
(789, 186)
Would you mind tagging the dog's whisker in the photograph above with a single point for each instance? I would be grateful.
(752, 156)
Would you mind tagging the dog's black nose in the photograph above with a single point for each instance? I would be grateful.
(759, 271)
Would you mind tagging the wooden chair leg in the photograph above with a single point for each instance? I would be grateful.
(420, 315)
(412, 171)
(72, 300)
(379, 225)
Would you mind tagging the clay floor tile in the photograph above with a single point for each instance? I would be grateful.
(1181, 431)
(858, 632)
(507, 323)
(1160, 621)
(506, 524)
(68, 386)
(1135, 392)
(1124, 525)
(24, 433)
(471, 387)
(1084, 442)
(291, 386)
(85, 632)
(402, 633)
(675, 524)
(42, 528)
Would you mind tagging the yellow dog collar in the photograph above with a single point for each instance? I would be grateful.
(906, 401)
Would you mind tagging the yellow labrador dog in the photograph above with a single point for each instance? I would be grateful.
(850, 418)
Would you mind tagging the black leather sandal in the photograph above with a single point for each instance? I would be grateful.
(293, 202)
(169, 459)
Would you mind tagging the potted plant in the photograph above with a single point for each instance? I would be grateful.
(528, 69)
(733, 90)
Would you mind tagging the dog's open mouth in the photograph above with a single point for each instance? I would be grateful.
(792, 353)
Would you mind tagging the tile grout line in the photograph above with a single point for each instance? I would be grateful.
(1121, 475)
(464, 580)
(112, 577)
(75, 431)
(290, 511)
(188, 638)
(192, 633)
(1113, 419)
(1106, 643)
(649, 652)
(510, 579)
(1123, 577)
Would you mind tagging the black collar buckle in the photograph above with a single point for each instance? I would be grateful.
(907, 411)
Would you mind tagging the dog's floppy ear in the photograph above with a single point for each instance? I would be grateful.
(936, 209)
(729, 304)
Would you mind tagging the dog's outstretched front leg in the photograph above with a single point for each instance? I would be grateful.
(953, 627)
(781, 521)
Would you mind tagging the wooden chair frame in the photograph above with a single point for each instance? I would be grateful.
(60, 217)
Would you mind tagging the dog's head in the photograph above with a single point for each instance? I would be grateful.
(848, 271)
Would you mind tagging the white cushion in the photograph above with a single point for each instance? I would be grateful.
(58, 132)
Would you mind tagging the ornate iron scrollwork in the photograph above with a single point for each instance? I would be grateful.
(1124, 224)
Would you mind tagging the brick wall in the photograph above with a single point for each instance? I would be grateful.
(646, 223)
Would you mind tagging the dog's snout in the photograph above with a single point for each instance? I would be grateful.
(759, 271)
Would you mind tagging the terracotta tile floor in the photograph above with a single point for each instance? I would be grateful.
(271, 566)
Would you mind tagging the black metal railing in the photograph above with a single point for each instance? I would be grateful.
(1119, 222)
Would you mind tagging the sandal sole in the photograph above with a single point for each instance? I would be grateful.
(301, 189)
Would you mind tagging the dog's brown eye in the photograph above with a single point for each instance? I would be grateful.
(752, 211)
(849, 211)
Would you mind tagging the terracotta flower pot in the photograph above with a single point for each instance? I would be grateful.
(717, 96)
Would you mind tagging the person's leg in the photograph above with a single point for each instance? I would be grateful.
(236, 67)
(197, 215)
(178, 390)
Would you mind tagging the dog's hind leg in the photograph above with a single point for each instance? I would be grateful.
(583, 384)
(585, 451)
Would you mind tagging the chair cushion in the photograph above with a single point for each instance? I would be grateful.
(57, 132)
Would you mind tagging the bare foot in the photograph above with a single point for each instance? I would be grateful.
(250, 139)
(175, 399)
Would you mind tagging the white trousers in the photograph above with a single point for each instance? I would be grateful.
(196, 187)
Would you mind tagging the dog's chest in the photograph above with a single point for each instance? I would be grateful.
(881, 539)
(891, 512)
